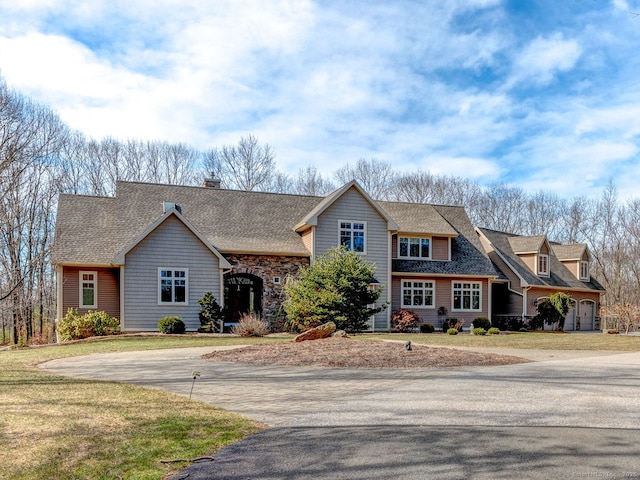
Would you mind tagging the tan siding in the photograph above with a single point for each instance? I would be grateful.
(307, 239)
(440, 248)
(352, 206)
(108, 286)
(537, 292)
(544, 249)
(171, 245)
(443, 298)
(530, 261)
(573, 266)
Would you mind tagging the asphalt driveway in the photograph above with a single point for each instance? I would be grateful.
(569, 415)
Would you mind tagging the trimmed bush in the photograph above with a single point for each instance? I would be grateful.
(427, 328)
(482, 322)
(493, 331)
(74, 326)
(452, 331)
(448, 323)
(170, 325)
(404, 320)
(479, 331)
(251, 325)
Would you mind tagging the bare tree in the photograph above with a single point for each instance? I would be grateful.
(375, 176)
(310, 182)
(245, 166)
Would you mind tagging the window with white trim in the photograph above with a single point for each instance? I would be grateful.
(584, 270)
(353, 236)
(173, 286)
(414, 247)
(467, 296)
(543, 264)
(418, 293)
(88, 289)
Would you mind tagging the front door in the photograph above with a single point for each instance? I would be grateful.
(242, 295)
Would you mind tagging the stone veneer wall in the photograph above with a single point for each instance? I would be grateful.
(267, 267)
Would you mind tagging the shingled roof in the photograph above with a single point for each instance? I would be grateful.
(93, 230)
(559, 275)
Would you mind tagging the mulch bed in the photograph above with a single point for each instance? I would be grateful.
(352, 353)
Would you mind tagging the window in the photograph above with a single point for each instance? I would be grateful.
(466, 296)
(584, 270)
(543, 264)
(88, 289)
(417, 293)
(410, 247)
(172, 285)
(352, 236)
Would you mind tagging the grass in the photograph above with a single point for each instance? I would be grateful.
(54, 427)
(531, 340)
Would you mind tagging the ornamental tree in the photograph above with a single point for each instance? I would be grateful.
(554, 310)
(336, 287)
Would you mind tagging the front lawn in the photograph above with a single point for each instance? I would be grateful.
(55, 427)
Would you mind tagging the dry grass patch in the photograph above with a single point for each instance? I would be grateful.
(354, 353)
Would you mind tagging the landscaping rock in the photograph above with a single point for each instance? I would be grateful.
(340, 333)
(322, 331)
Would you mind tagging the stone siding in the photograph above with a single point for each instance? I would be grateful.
(268, 267)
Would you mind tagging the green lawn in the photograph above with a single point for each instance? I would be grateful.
(54, 427)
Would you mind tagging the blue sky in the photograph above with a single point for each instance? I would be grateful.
(542, 95)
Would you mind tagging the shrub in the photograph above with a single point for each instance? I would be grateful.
(479, 331)
(452, 331)
(170, 325)
(482, 322)
(427, 328)
(523, 330)
(493, 331)
(251, 325)
(512, 323)
(211, 313)
(74, 326)
(448, 323)
(404, 320)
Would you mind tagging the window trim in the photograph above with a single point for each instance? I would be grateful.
(585, 264)
(351, 230)
(81, 288)
(423, 306)
(462, 289)
(173, 293)
(539, 258)
(408, 256)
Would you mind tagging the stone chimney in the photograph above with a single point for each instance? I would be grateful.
(211, 182)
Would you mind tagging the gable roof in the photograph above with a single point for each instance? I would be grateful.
(311, 219)
(573, 251)
(523, 244)
(419, 218)
(559, 274)
(119, 259)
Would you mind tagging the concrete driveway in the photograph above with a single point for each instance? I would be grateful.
(569, 415)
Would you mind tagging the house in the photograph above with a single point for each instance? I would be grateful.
(533, 269)
(154, 250)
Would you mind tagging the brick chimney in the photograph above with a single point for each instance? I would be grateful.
(211, 182)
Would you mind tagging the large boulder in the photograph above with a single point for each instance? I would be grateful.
(322, 331)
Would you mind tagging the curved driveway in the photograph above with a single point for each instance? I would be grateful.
(568, 415)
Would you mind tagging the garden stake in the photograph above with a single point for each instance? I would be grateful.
(195, 375)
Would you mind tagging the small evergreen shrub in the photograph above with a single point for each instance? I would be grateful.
(427, 328)
(493, 331)
(452, 331)
(171, 325)
(479, 331)
(404, 320)
(211, 314)
(251, 325)
(74, 326)
(482, 322)
(524, 329)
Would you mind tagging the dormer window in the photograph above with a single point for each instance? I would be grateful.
(413, 247)
(584, 270)
(543, 264)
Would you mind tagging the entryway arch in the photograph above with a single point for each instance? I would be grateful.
(242, 295)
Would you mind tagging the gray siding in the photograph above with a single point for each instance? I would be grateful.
(351, 206)
(170, 245)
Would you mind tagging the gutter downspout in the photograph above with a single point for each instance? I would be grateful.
(524, 302)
